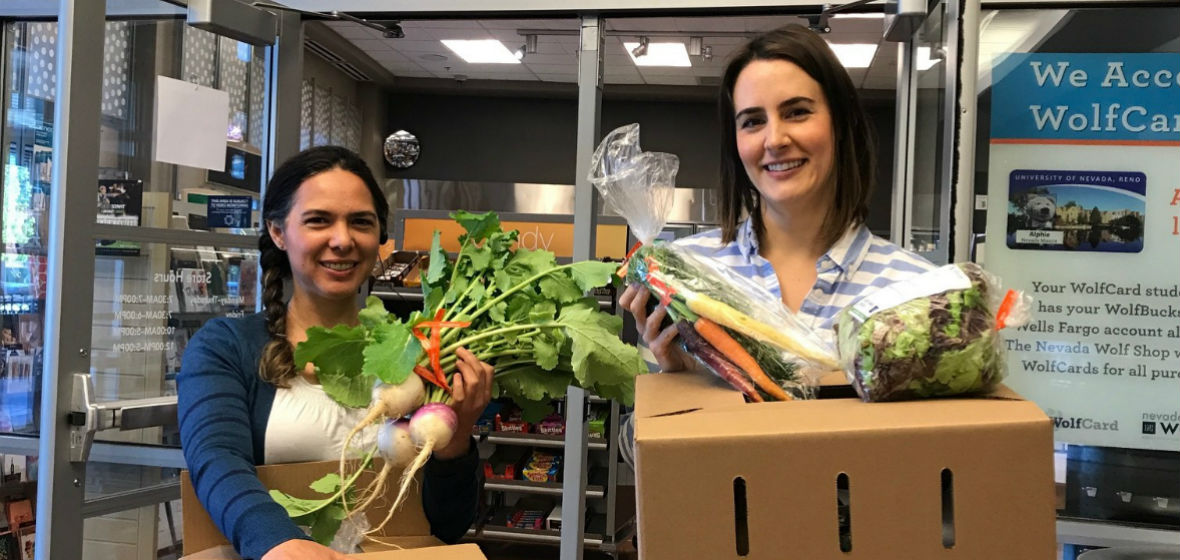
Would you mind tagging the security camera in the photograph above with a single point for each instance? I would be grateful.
(818, 23)
(394, 31)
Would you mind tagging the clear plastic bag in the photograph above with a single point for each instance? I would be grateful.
(639, 187)
(351, 534)
(933, 335)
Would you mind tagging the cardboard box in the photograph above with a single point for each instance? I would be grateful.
(408, 529)
(719, 478)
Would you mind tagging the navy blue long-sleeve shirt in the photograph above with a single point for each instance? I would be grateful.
(223, 408)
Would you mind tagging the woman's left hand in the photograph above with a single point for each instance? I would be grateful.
(471, 391)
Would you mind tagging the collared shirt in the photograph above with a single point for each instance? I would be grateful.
(858, 264)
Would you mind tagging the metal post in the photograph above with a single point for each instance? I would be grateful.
(61, 483)
(285, 69)
(950, 132)
(966, 23)
(903, 161)
(573, 493)
(284, 82)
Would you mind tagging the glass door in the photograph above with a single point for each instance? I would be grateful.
(927, 118)
(123, 230)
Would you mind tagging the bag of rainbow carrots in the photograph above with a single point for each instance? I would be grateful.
(729, 324)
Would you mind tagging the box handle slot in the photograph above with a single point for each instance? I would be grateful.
(844, 512)
(948, 508)
(740, 521)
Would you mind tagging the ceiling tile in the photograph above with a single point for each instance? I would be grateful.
(417, 33)
(632, 80)
(387, 56)
(407, 45)
(632, 73)
(397, 68)
(542, 58)
(498, 76)
(415, 74)
(671, 80)
(374, 45)
(649, 71)
(569, 78)
(350, 30)
(555, 23)
(470, 24)
(550, 68)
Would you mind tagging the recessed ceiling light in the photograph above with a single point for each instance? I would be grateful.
(854, 55)
(660, 54)
(432, 57)
(481, 51)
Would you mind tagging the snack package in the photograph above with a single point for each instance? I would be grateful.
(728, 323)
(552, 425)
(934, 335)
(542, 467)
(596, 424)
(510, 420)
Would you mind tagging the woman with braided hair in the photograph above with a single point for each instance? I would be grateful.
(242, 401)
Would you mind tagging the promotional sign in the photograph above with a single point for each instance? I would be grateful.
(1084, 199)
(119, 202)
(228, 211)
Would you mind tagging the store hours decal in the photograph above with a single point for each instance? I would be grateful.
(1084, 199)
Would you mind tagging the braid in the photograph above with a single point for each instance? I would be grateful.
(277, 364)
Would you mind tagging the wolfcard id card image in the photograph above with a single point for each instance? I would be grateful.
(1100, 211)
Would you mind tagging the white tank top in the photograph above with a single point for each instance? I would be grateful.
(305, 424)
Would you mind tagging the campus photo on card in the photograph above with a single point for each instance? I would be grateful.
(1076, 210)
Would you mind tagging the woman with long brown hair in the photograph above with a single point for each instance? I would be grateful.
(243, 402)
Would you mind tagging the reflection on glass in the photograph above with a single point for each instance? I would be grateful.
(24, 192)
(147, 305)
(929, 133)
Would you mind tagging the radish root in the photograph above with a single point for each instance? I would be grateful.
(407, 478)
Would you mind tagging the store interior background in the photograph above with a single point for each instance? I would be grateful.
(501, 139)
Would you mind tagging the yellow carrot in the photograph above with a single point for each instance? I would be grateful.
(725, 315)
(739, 356)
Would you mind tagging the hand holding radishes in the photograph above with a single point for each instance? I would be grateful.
(495, 322)
(471, 391)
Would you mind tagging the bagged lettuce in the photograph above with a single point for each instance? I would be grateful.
(934, 335)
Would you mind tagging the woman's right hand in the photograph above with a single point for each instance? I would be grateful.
(300, 549)
(661, 343)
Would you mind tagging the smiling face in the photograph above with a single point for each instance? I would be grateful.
(784, 136)
(331, 236)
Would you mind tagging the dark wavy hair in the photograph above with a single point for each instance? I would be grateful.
(854, 154)
(277, 364)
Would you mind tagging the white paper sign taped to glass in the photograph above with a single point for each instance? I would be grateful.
(191, 123)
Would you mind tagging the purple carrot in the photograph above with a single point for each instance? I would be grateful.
(713, 359)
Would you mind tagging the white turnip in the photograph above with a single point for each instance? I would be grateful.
(431, 427)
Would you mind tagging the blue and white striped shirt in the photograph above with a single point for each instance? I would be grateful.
(858, 264)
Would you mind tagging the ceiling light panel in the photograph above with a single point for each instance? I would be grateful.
(481, 51)
(855, 55)
(659, 54)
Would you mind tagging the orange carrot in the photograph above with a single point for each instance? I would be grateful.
(725, 344)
